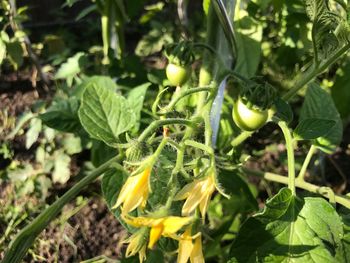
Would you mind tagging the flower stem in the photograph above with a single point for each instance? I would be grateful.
(290, 155)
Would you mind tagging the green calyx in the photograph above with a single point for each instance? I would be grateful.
(257, 94)
(136, 152)
(180, 54)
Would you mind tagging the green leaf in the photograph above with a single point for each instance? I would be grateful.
(72, 67)
(100, 81)
(237, 188)
(343, 251)
(101, 153)
(63, 115)
(135, 98)
(283, 111)
(319, 104)
(71, 144)
(310, 129)
(33, 132)
(61, 172)
(105, 114)
(290, 229)
(154, 41)
(341, 91)
(249, 47)
(21, 173)
(15, 53)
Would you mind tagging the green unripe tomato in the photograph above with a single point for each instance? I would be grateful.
(177, 75)
(248, 119)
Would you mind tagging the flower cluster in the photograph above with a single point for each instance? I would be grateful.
(134, 195)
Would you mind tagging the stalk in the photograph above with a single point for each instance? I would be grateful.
(343, 200)
(290, 156)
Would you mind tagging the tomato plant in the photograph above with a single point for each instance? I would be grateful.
(175, 166)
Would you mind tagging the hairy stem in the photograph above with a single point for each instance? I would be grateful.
(344, 201)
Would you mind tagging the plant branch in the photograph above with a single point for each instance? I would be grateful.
(241, 138)
(307, 160)
(181, 95)
(344, 201)
(25, 238)
(313, 71)
(155, 124)
(290, 155)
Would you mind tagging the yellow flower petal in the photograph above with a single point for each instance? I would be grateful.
(141, 221)
(197, 254)
(155, 234)
(193, 199)
(127, 187)
(134, 192)
(185, 192)
(142, 254)
(197, 193)
(185, 246)
(172, 224)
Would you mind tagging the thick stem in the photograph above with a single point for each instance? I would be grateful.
(19, 246)
(300, 184)
(290, 155)
(306, 163)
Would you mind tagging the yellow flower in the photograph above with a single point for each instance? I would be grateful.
(137, 244)
(188, 250)
(134, 192)
(163, 226)
(197, 193)
(197, 254)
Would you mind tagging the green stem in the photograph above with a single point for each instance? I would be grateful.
(307, 160)
(313, 72)
(25, 238)
(241, 138)
(200, 146)
(300, 184)
(155, 124)
(181, 95)
(290, 155)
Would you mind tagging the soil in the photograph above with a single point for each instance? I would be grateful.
(90, 233)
